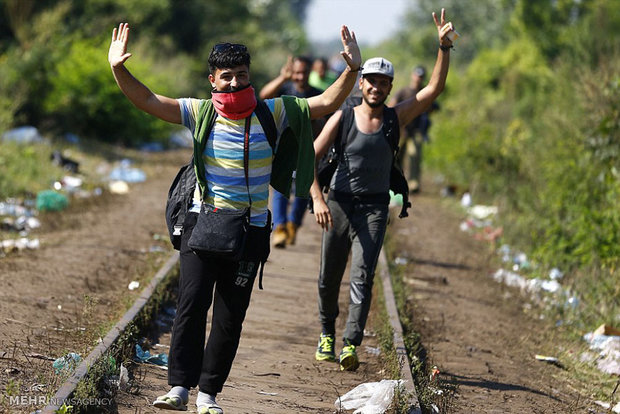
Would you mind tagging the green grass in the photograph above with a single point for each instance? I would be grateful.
(26, 169)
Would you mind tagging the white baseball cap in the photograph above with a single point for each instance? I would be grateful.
(378, 65)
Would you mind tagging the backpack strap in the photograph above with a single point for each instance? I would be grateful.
(204, 125)
(266, 121)
(398, 182)
(342, 138)
(391, 128)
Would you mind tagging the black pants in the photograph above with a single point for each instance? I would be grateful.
(228, 286)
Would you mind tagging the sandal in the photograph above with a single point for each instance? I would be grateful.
(170, 402)
(210, 409)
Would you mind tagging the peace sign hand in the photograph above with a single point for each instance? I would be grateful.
(443, 29)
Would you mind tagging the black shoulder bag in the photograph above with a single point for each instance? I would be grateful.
(223, 232)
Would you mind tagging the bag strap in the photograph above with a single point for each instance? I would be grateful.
(204, 125)
(391, 128)
(344, 127)
(266, 121)
(391, 131)
(246, 156)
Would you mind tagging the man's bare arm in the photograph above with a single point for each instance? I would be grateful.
(322, 143)
(157, 105)
(409, 109)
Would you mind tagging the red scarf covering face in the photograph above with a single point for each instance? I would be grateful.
(237, 104)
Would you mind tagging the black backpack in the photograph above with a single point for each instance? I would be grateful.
(391, 130)
(181, 193)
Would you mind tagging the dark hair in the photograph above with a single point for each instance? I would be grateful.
(322, 60)
(420, 71)
(305, 60)
(228, 55)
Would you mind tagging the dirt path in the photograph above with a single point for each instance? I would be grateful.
(474, 329)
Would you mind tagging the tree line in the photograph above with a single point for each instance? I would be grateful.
(530, 121)
(53, 58)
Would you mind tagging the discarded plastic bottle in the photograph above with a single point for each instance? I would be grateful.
(11, 207)
(67, 362)
(555, 274)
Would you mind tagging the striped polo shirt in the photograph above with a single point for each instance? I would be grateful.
(223, 158)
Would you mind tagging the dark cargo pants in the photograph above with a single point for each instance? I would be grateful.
(359, 228)
(205, 281)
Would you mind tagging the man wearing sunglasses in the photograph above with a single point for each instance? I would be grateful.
(228, 284)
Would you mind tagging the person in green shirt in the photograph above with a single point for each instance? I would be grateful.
(321, 77)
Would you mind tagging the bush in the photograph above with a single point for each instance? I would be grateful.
(86, 100)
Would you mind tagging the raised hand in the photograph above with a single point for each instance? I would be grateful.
(443, 28)
(117, 55)
(351, 53)
(287, 70)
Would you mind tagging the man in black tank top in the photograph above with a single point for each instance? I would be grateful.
(356, 212)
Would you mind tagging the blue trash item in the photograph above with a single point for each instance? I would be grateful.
(23, 135)
(72, 138)
(152, 147)
(50, 200)
(145, 356)
(126, 173)
(67, 363)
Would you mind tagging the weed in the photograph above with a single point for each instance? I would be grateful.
(391, 361)
(13, 387)
(433, 390)
(64, 409)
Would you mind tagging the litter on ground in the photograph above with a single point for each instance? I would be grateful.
(370, 397)
(606, 341)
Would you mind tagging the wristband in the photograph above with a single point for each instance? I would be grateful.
(445, 48)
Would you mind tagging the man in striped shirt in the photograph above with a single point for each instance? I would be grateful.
(192, 364)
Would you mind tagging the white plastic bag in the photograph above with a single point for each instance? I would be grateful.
(370, 397)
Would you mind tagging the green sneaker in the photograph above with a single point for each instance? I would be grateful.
(325, 349)
(210, 409)
(348, 357)
(170, 402)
